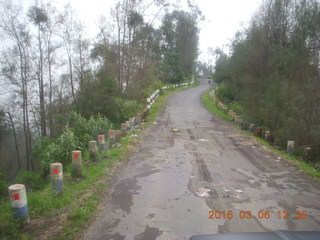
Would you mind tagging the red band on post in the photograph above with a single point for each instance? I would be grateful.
(16, 196)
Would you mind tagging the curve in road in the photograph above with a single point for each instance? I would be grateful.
(191, 163)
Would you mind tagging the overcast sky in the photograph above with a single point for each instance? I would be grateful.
(222, 18)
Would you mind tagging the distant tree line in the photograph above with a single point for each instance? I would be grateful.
(50, 68)
(273, 71)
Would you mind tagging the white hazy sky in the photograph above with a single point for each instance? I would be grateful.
(222, 18)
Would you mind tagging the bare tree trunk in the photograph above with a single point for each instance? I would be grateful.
(23, 74)
(41, 88)
(18, 33)
(29, 142)
(71, 77)
(50, 92)
(123, 46)
(15, 139)
(81, 62)
(129, 56)
(119, 49)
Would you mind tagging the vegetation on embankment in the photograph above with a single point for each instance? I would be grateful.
(64, 215)
(51, 68)
(272, 76)
(296, 159)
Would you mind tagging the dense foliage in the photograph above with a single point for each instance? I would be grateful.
(76, 135)
(51, 69)
(273, 71)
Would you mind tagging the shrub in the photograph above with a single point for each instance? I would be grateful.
(86, 130)
(98, 125)
(9, 227)
(59, 150)
(225, 93)
(40, 148)
(3, 185)
(127, 109)
(32, 181)
(235, 106)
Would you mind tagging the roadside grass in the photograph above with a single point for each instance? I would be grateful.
(80, 198)
(213, 108)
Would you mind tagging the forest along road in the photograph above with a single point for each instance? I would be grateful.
(192, 162)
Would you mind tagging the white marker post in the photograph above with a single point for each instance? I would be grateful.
(123, 129)
(252, 127)
(77, 163)
(128, 125)
(118, 135)
(93, 150)
(112, 138)
(267, 136)
(139, 118)
(236, 119)
(132, 123)
(144, 115)
(56, 175)
(18, 201)
(290, 147)
(102, 142)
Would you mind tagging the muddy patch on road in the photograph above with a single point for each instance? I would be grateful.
(204, 173)
(149, 233)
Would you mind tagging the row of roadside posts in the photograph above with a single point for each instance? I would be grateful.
(17, 192)
(244, 124)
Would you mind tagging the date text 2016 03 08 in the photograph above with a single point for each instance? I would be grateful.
(259, 215)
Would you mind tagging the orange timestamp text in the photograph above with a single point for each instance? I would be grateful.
(247, 214)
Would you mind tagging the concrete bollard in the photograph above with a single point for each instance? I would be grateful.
(102, 142)
(307, 154)
(267, 136)
(118, 135)
(112, 138)
(144, 115)
(56, 175)
(93, 150)
(132, 122)
(128, 126)
(240, 121)
(252, 127)
(244, 125)
(139, 118)
(259, 132)
(77, 163)
(123, 129)
(290, 147)
(18, 201)
(236, 119)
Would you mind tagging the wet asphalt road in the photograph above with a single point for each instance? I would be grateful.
(192, 162)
